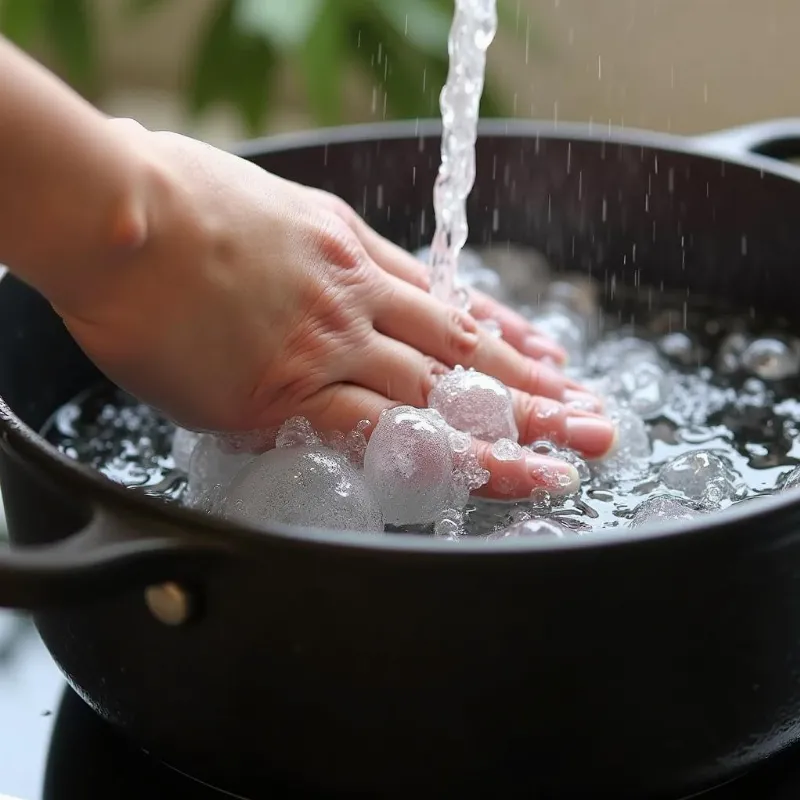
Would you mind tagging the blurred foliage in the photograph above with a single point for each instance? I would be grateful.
(65, 25)
(400, 46)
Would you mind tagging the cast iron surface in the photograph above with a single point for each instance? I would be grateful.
(651, 663)
(55, 748)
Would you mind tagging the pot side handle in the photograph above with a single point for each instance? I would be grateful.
(778, 139)
(107, 557)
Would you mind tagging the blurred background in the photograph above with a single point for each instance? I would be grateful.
(224, 70)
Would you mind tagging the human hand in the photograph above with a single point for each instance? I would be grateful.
(241, 299)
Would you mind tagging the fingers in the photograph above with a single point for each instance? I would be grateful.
(410, 315)
(402, 374)
(342, 406)
(590, 435)
(416, 335)
(517, 331)
(517, 478)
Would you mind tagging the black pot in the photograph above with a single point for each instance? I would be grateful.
(635, 663)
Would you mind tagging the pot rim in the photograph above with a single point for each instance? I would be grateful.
(717, 146)
(97, 489)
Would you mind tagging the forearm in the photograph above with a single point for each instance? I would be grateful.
(70, 188)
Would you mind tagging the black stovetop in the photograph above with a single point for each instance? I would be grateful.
(53, 747)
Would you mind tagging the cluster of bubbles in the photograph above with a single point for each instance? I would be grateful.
(705, 405)
(417, 468)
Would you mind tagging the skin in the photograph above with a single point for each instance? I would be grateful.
(232, 299)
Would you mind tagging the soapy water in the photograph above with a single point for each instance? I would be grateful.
(705, 409)
(707, 406)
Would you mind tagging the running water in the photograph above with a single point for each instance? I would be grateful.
(473, 29)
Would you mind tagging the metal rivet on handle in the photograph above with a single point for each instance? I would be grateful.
(168, 603)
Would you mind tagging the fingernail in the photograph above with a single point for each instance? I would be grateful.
(467, 336)
(558, 477)
(582, 401)
(591, 436)
(541, 347)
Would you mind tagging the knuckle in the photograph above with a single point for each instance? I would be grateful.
(526, 416)
(277, 396)
(345, 212)
(338, 246)
(461, 337)
(334, 322)
(125, 122)
(532, 374)
(330, 330)
(339, 207)
(483, 454)
(540, 418)
(431, 369)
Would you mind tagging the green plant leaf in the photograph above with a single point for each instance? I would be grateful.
(411, 81)
(285, 23)
(208, 77)
(492, 102)
(509, 14)
(322, 60)
(231, 66)
(20, 20)
(69, 27)
(411, 77)
(251, 95)
(513, 19)
(425, 24)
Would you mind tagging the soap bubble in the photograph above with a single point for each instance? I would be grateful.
(535, 527)
(311, 486)
(477, 403)
(790, 480)
(771, 359)
(296, 432)
(211, 469)
(699, 474)
(183, 444)
(409, 465)
(506, 450)
(563, 326)
(662, 509)
(680, 347)
(729, 355)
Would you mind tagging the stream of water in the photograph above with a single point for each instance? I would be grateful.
(473, 29)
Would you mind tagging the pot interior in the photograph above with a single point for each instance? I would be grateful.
(642, 220)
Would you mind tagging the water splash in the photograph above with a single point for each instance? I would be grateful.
(473, 29)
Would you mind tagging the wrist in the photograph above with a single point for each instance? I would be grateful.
(86, 244)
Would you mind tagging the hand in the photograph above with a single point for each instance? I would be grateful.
(242, 299)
